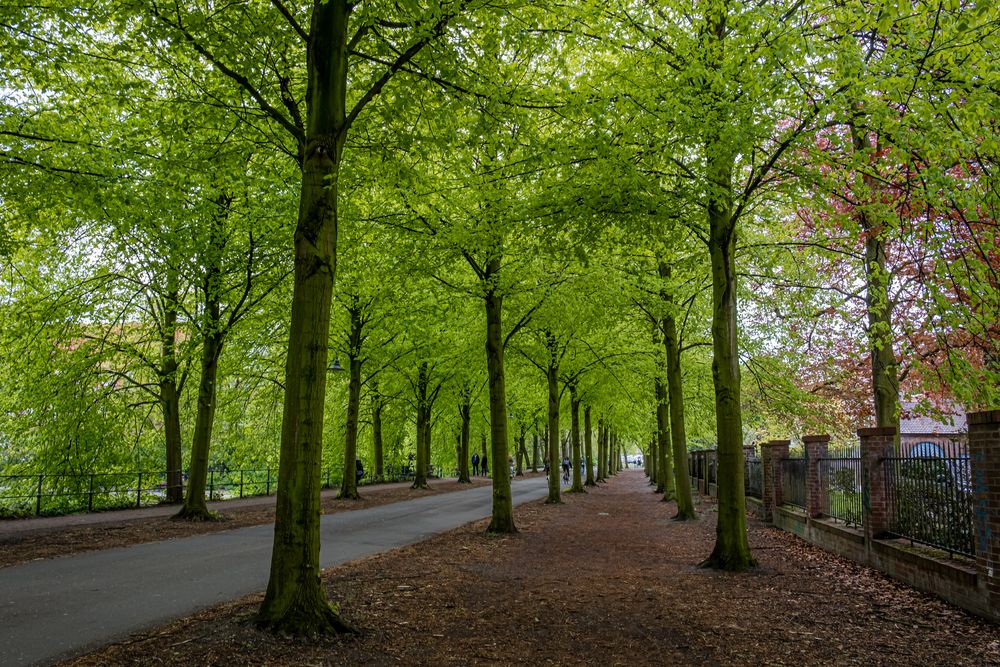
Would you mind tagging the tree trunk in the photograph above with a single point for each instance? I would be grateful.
(588, 447)
(675, 394)
(522, 451)
(534, 448)
(195, 507)
(664, 460)
(295, 602)
(884, 367)
(428, 425)
(574, 433)
(349, 485)
(377, 448)
(169, 394)
(614, 461)
(652, 468)
(732, 551)
(484, 453)
(423, 417)
(465, 413)
(555, 467)
(502, 520)
(602, 458)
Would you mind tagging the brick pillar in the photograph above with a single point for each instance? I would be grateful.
(984, 457)
(771, 454)
(815, 447)
(876, 444)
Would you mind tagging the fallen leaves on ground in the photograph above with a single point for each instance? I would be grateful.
(604, 578)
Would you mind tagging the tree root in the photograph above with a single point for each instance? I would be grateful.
(728, 564)
(186, 514)
(322, 620)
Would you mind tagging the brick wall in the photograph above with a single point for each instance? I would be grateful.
(976, 589)
(984, 453)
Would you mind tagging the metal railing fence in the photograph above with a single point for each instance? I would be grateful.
(46, 494)
(793, 482)
(931, 502)
(840, 478)
(753, 478)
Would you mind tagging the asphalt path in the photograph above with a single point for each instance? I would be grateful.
(54, 609)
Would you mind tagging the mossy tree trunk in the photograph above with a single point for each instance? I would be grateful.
(294, 601)
(732, 550)
(878, 302)
(588, 447)
(602, 458)
(502, 520)
(377, 445)
(612, 444)
(465, 416)
(534, 448)
(348, 484)
(484, 452)
(423, 419)
(213, 333)
(522, 450)
(574, 433)
(664, 460)
(552, 382)
(675, 395)
(169, 390)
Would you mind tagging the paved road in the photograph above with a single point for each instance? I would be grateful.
(57, 608)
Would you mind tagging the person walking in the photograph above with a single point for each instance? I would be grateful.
(475, 464)
(484, 465)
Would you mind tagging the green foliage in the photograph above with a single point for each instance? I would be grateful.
(566, 143)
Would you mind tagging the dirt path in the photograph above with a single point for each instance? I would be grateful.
(606, 578)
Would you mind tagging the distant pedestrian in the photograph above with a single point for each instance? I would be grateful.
(359, 471)
(475, 464)
(484, 466)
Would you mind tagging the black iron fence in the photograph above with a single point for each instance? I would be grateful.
(840, 478)
(54, 494)
(753, 478)
(793, 482)
(930, 502)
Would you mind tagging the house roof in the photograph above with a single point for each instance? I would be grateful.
(952, 421)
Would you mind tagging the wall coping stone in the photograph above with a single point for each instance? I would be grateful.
(985, 417)
(875, 431)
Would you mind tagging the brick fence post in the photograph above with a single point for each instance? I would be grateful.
(772, 453)
(876, 444)
(984, 458)
(816, 448)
